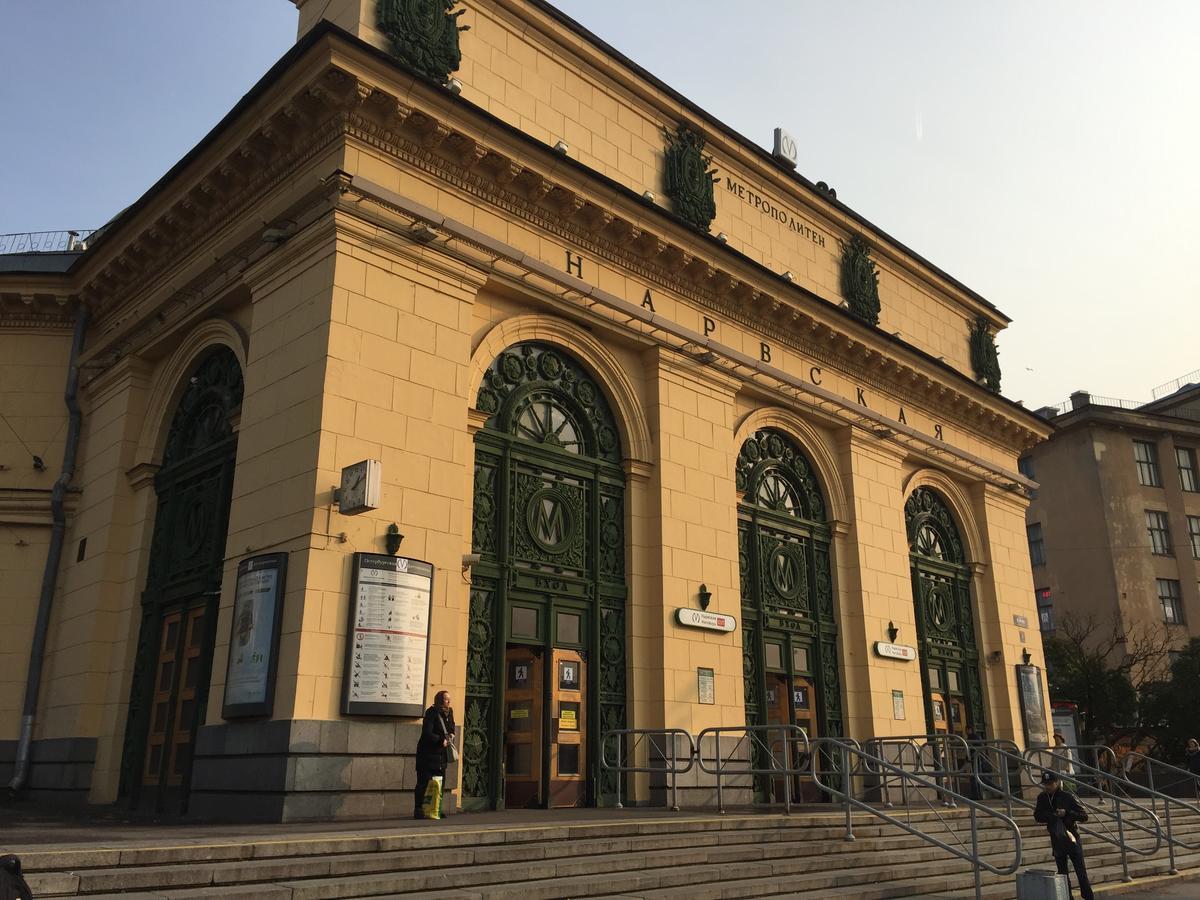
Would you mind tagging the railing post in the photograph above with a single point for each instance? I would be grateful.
(975, 856)
(674, 775)
(619, 767)
(1121, 839)
(787, 768)
(720, 794)
(1170, 837)
(846, 791)
(1008, 787)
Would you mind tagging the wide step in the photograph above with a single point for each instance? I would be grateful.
(689, 857)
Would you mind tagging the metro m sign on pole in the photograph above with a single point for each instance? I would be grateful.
(695, 618)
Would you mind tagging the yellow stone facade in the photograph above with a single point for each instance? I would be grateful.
(411, 237)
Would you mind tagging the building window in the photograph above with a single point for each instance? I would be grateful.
(1045, 610)
(1025, 467)
(1194, 535)
(1037, 546)
(1146, 455)
(1186, 458)
(1160, 532)
(1168, 595)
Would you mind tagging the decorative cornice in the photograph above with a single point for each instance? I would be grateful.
(488, 174)
(36, 310)
(338, 104)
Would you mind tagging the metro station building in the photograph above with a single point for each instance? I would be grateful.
(613, 361)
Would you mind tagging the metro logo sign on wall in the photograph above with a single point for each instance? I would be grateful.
(896, 651)
(695, 618)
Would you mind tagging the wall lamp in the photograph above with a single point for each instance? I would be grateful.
(392, 539)
(892, 632)
(704, 595)
(1026, 656)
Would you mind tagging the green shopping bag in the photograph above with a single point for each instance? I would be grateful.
(431, 805)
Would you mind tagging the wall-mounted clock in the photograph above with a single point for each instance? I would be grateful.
(361, 487)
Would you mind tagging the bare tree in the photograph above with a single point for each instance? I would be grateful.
(1103, 667)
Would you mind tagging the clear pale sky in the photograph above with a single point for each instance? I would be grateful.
(1044, 153)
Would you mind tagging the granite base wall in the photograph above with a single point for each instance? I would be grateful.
(303, 771)
(60, 770)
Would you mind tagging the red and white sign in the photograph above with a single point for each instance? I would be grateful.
(696, 618)
(896, 651)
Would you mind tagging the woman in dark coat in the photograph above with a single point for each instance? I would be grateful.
(433, 747)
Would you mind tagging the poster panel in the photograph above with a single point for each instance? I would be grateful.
(1033, 706)
(254, 636)
(387, 646)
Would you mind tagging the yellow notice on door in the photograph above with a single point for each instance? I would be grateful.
(518, 713)
(567, 720)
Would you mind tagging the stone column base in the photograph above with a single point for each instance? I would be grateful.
(304, 771)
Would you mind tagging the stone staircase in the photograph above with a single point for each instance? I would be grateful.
(636, 854)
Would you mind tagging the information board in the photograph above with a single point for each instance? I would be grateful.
(387, 650)
(1033, 706)
(254, 636)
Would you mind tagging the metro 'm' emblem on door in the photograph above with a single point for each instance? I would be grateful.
(785, 572)
(551, 524)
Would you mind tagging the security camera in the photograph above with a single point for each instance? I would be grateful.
(469, 559)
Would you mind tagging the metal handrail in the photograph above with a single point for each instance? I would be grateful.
(1167, 800)
(940, 756)
(1104, 761)
(648, 735)
(870, 763)
(1133, 757)
(1025, 762)
(793, 737)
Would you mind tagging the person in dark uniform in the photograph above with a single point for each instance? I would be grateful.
(434, 748)
(1061, 813)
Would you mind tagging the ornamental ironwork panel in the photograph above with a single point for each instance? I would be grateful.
(932, 532)
(538, 394)
(550, 524)
(784, 569)
(479, 762)
(478, 769)
(204, 417)
(549, 520)
(483, 503)
(772, 473)
(612, 682)
(745, 581)
(942, 596)
(611, 539)
(831, 700)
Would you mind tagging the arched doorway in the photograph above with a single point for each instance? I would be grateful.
(789, 639)
(941, 581)
(546, 634)
(183, 588)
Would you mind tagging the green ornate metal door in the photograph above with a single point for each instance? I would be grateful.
(789, 627)
(179, 606)
(941, 583)
(549, 526)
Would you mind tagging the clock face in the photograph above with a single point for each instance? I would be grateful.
(354, 488)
